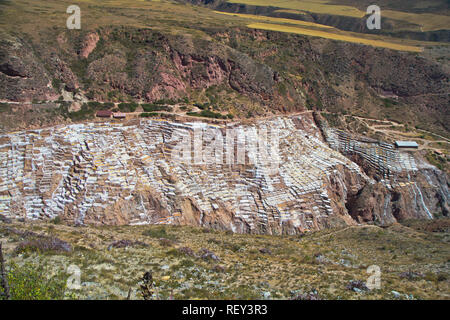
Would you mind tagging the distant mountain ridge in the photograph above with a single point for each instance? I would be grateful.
(390, 27)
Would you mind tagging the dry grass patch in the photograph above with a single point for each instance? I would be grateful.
(334, 36)
(316, 6)
(276, 20)
(250, 266)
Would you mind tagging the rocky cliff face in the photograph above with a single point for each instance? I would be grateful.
(22, 76)
(275, 176)
(138, 63)
(403, 186)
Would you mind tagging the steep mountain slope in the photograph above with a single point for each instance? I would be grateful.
(235, 70)
(191, 56)
(150, 51)
(275, 176)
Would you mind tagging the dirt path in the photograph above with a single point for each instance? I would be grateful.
(394, 133)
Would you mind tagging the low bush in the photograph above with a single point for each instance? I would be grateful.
(159, 232)
(128, 107)
(43, 244)
(155, 107)
(31, 282)
(207, 114)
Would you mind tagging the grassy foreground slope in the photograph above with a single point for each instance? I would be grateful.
(413, 260)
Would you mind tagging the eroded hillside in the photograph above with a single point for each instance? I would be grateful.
(209, 64)
(218, 61)
(275, 176)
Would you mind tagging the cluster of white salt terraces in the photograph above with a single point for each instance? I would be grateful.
(130, 174)
(381, 156)
(423, 188)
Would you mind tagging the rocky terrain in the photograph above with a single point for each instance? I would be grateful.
(109, 262)
(112, 173)
(276, 176)
(235, 69)
(246, 163)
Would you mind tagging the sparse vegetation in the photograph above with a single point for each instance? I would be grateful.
(128, 107)
(334, 36)
(207, 114)
(31, 281)
(315, 265)
(437, 160)
(155, 107)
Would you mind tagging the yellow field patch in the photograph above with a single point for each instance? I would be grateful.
(316, 6)
(334, 36)
(428, 21)
(290, 11)
(276, 20)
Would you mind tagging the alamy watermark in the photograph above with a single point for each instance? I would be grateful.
(229, 146)
(374, 20)
(374, 281)
(74, 20)
(74, 280)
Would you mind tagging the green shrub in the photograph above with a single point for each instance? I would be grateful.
(204, 106)
(89, 109)
(84, 113)
(186, 263)
(165, 101)
(31, 282)
(148, 107)
(158, 232)
(108, 105)
(95, 105)
(388, 103)
(56, 83)
(56, 220)
(207, 114)
(128, 107)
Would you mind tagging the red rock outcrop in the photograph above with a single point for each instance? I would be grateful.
(89, 44)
